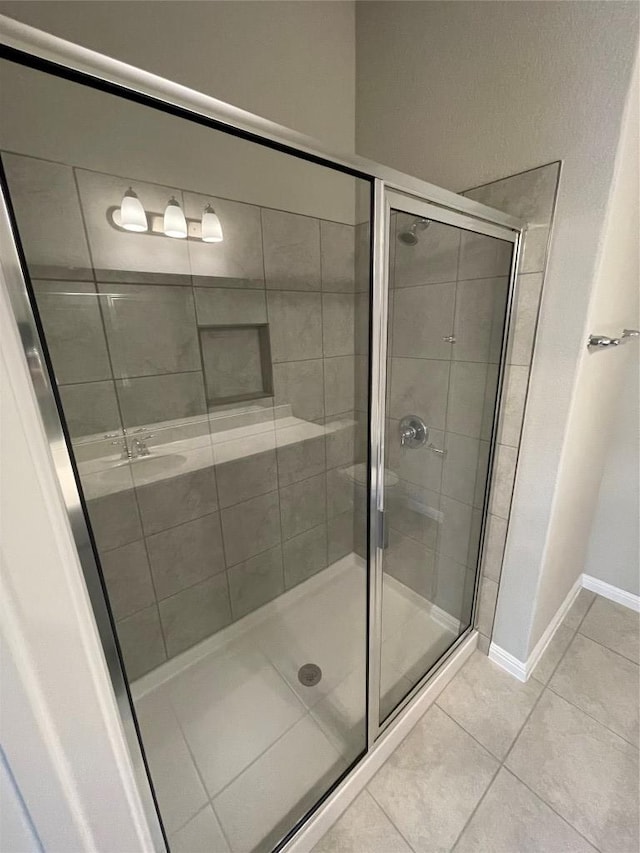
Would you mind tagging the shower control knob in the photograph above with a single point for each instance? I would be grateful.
(413, 432)
(449, 339)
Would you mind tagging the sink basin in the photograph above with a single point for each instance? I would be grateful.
(142, 467)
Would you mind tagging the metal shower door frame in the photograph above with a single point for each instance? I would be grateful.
(49, 54)
(386, 199)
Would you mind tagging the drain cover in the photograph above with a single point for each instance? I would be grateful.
(309, 674)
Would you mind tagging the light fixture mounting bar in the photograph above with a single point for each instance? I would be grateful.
(156, 225)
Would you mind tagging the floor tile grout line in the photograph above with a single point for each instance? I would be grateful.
(477, 806)
(549, 806)
(607, 648)
(591, 717)
(466, 731)
(384, 811)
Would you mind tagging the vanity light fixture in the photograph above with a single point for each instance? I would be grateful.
(211, 227)
(132, 215)
(174, 225)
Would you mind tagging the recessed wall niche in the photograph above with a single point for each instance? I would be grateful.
(236, 361)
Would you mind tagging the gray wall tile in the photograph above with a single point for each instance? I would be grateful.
(419, 386)
(237, 261)
(153, 399)
(494, 547)
(255, 582)
(195, 613)
(411, 563)
(529, 196)
(173, 501)
(340, 536)
(246, 477)
(150, 329)
(73, 327)
(251, 527)
(141, 642)
(303, 505)
(126, 573)
(295, 325)
(341, 441)
(482, 256)
(455, 529)
(513, 401)
(412, 511)
(415, 465)
(487, 606)
(126, 250)
(451, 587)
(300, 384)
(339, 384)
(90, 408)
(234, 361)
(338, 329)
(291, 251)
(433, 259)
(479, 314)
(54, 245)
(460, 467)
(337, 245)
(504, 470)
(115, 520)
(466, 397)
(529, 288)
(304, 555)
(186, 554)
(341, 492)
(422, 317)
(300, 460)
(218, 306)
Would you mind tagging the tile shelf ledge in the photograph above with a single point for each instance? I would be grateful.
(193, 444)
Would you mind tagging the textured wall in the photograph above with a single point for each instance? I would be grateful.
(484, 90)
(185, 555)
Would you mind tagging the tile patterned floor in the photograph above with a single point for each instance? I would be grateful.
(238, 748)
(497, 766)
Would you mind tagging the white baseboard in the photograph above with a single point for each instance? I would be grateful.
(523, 669)
(340, 799)
(613, 593)
(508, 662)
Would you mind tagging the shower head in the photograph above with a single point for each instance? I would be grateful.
(410, 235)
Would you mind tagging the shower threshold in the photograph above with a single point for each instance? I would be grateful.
(239, 749)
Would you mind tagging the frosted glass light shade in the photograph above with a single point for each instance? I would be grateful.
(211, 227)
(132, 215)
(174, 225)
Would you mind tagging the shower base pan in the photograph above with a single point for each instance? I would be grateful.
(238, 747)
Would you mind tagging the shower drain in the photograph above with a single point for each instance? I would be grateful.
(309, 674)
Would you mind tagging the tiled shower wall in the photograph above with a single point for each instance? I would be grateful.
(186, 556)
(531, 196)
(448, 283)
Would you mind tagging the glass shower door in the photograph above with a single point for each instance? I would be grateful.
(447, 303)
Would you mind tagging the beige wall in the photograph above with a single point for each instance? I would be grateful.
(605, 411)
(290, 62)
(266, 57)
(464, 93)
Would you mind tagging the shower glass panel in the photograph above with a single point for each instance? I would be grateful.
(447, 302)
(215, 402)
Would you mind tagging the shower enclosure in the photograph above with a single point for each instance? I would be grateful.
(269, 377)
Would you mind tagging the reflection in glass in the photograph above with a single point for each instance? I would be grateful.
(447, 304)
(215, 392)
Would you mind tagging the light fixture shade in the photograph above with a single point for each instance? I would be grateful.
(174, 225)
(132, 215)
(211, 227)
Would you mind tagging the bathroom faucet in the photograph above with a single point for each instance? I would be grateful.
(136, 447)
